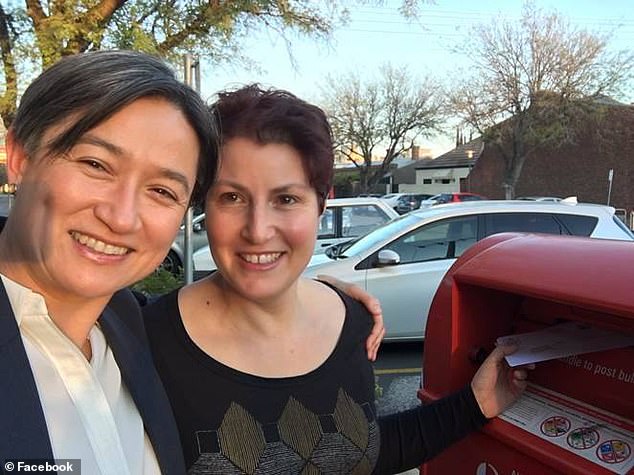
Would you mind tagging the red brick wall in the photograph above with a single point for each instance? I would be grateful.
(579, 169)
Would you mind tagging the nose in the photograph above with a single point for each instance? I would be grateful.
(260, 223)
(119, 209)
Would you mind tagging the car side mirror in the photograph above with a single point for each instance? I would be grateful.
(388, 257)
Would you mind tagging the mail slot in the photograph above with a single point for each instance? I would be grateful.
(577, 415)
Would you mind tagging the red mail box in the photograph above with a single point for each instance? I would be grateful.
(577, 415)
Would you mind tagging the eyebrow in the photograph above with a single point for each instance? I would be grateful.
(120, 152)
(99, 142)
(279, 189)
(176, 176)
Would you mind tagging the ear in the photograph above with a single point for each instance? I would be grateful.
(17, 161)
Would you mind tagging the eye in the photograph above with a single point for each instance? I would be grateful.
(229, 197)
(287, 199)
(93, 163)
(166, 194)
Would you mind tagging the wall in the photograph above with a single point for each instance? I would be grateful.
(436, 175)
(579, 169)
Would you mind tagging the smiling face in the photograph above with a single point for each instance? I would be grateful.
(102, 216)
(262, 217)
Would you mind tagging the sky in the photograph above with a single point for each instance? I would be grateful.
(376, 35)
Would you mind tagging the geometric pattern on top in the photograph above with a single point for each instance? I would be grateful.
(301, 442)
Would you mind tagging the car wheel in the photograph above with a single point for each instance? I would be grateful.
(172, 263)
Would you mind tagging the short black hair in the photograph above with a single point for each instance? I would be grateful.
(87, 89)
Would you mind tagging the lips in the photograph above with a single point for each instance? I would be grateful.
(264, 258)
(99, 246)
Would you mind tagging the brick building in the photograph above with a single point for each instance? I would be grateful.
(578, 169)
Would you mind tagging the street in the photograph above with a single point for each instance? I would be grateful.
(397, 370)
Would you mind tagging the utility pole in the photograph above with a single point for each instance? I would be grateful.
(192, 79)
(610, 177)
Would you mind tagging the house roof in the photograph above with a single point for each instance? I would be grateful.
(456, 158)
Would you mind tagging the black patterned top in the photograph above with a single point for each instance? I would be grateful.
(324, 421)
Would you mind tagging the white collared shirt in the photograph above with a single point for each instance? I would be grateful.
(65, 428)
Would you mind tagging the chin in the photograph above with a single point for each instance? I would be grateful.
(96, 289)
(261, 291)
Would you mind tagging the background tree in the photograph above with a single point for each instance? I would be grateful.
(387, 114)
(37, 33)
(533, 81)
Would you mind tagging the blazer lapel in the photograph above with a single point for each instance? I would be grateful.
(24, 433)
(137, 370)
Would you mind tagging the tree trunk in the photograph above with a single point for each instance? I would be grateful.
(8, 100)
(513, 171)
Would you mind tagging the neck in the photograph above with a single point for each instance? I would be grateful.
(74, 316)
(272, 316)
(76, 319)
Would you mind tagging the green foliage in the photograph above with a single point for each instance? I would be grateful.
(35, 36)
(159, 282)
(378, 389)
(45, 31)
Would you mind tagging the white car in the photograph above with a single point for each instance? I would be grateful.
(392, 199)
(343, 219)
(174, 261)
(403, 262)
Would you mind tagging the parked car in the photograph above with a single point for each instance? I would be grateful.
(175, 258)
(391, 199)
(550, 199)
(403, 262)
(410, 201)
(342, 220)
(457, 197)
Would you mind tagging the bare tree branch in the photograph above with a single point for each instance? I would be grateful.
(390, 112)
(532, 82)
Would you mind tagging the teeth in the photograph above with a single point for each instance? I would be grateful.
(261, 258)
(99, 246)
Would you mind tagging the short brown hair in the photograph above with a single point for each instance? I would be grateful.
(277, 116)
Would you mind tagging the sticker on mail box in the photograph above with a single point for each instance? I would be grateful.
(598, 436)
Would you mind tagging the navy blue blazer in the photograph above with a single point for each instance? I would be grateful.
(23, 432)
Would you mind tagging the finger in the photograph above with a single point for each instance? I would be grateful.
(378, 343)
(520, 375)
(375, 349)
(496, 357)
(374, 342)
(505, 350)
(519, 386)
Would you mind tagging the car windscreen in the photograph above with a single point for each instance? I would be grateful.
(441, 198)
(578, 225)
(623, 226)
(391, 228)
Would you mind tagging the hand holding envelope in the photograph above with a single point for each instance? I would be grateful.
(560, 341)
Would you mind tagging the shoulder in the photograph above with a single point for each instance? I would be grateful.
(159, 311)
(327, 298)
(123, 301)
(123, 311)
(160, 305)
(126, 307)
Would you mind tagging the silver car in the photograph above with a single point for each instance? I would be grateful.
(174, 260)
(342, 220)
(403, 262)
